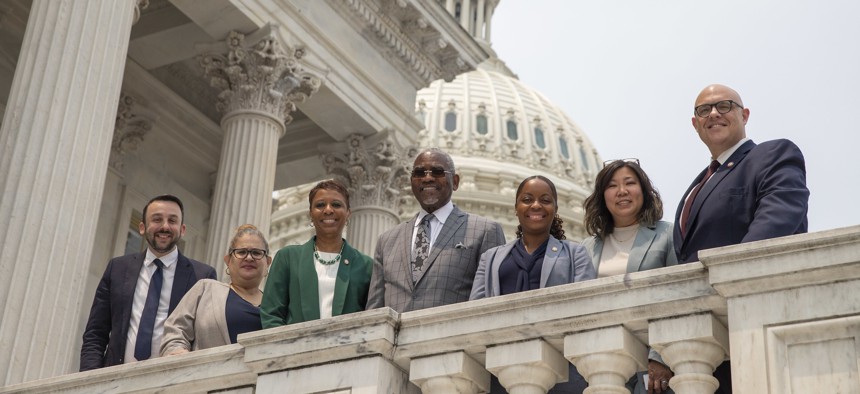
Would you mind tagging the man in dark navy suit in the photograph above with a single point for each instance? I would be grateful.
(749, 192)
(126, 322)
(756, 192)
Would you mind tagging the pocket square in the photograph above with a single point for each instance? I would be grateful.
(460, 245)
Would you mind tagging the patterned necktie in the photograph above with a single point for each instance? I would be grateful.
(685, 213)
(143, 344)
(422, 247)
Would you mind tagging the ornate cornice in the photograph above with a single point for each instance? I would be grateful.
(404, 29)
(374, 168)
(258, 73)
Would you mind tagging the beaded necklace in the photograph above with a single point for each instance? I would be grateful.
(327, 262)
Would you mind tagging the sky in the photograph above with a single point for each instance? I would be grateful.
(628, 72)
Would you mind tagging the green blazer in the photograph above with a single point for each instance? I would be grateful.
(292, 293)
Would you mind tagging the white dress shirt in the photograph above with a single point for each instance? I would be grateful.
(440, 216)
(146, 272)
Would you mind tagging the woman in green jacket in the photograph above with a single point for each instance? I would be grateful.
(325, 277)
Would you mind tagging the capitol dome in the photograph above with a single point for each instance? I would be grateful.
(497, 130)
(500, 131)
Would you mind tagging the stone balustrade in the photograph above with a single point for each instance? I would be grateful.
(777, 308)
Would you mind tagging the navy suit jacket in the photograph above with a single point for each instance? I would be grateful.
(107, 326)
(758, 193)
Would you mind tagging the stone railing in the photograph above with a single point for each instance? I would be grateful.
(786, 310)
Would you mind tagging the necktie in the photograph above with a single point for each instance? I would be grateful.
(422, 247)
(143, 344)
(685, 213)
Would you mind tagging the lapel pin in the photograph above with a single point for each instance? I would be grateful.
(345, 261)
(730, 164)
(555, 249)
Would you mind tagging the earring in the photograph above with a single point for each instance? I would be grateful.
(311, 223)
(227, 271)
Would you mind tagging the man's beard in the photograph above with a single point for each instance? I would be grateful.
(153, 244)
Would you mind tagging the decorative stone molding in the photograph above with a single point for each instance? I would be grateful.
(132, 125)
(402, 29)
(258, 73)
(374, 169)
(138, 7)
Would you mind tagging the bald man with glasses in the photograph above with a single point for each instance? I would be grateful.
(748, 192)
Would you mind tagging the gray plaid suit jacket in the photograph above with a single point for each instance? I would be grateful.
(450, 268)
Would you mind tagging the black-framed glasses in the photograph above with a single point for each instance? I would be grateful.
(627, 160)
(436, 172)
(723, 107)
(256, 254)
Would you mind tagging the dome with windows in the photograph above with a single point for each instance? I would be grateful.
(500, 131)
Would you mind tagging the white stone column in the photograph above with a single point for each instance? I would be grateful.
(449, 5)
(466, 15)
(606, 358)
(531, 367)
(692, 346)
(374, 170)
(54, 146)
(260, 82)
(479, 28)
(449, 373)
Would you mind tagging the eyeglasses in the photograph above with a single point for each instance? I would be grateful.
(723, 107)
(435, 172)
(628, 160)
(256, 254)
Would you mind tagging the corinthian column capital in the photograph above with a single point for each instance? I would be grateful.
(132, 124)
(373, 168)
(257, 73)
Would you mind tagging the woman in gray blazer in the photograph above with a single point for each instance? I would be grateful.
(539, 257)
(214, 313)
(622, 216)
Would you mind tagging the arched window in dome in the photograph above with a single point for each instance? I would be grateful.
(539, 140)
(584, 157)
(562, 146)
(450, 121)
(481, 124)
(512, 130)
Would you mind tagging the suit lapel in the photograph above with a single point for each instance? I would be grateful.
(308, 281)
(129, 283)
(715, 180)
(182, 281)
(644, 238)
(498, 257)
(553, 251)
(342, 280)
(455, 220)
(406, 251)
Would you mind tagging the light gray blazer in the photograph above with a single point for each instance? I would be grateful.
(450, 268)
(652, 248)
(199, 321)
(564, 262)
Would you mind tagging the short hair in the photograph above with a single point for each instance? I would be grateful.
(449, 162)
(247, 229)
(598, 219)
(557, 228)
(166, 197)
(329, 184)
